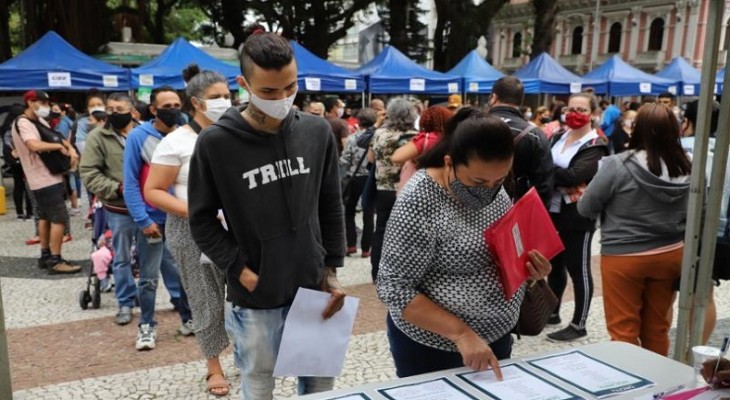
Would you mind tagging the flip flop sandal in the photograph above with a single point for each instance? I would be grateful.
(217, 389)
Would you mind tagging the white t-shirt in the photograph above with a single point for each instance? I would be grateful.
(562, 156)
(175, 149)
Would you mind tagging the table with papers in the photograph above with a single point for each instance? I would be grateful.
(613, 370)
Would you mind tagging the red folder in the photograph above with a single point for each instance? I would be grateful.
(526, 226)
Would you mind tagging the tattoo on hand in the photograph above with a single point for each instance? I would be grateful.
(256, 115)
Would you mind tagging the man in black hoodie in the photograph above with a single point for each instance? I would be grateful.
(274, 172)
(533, 163)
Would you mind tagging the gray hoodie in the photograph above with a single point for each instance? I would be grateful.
(639, 211)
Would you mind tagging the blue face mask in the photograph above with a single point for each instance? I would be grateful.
(473, 197)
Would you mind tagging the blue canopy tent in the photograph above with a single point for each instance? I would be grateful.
(544, 75)
(685, 77)
(51, 63)
(478, 75)
(621, 79)
(317, 75)
(392, 72)
(167, 68)
(719, 78)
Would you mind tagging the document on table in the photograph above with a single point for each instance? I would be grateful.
(517, 383)
(439, 389)
(589, 374)
(310, 345)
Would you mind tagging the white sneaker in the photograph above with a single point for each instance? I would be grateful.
(146, 337)
(187, 328)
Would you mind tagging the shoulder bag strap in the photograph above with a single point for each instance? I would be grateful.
(524, 133)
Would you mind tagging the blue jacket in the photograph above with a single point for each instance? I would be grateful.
(141, 144)
(610, 115)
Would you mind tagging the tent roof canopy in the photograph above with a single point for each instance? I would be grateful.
(51, 63)
(167, 68)
(545, 75)
(621, 79)
(315, 74)
(392, 72)
(477, 73)
(685, 78)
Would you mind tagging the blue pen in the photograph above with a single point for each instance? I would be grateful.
(669, 391)
(723, 351)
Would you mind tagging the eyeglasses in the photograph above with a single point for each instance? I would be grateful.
(579, 110)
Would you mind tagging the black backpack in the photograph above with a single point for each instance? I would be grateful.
(56, 162)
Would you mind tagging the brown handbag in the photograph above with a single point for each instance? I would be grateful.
(536, 308)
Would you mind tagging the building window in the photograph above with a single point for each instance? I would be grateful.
(614, 38)
(577, 46)
(656, 34)
(517, 45)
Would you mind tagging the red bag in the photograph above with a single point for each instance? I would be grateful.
(526, 226)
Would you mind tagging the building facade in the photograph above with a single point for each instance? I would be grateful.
(646, 34)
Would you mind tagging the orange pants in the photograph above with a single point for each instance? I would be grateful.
(637, 295)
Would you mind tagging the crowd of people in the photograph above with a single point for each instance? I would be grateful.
(238, 206)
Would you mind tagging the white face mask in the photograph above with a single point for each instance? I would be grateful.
(277, 109)
(97, 108)
(628, 123)
(42, 112)
(340, 112)
(528, 115)
(215, 108)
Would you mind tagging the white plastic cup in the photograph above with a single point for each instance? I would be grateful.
(700, 354)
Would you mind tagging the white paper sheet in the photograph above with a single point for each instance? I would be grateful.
(517, 383)
(310, 345)
(439, 389)
(588, 374)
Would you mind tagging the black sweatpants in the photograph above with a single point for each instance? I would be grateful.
(575, 261)
(357, 184)
(384, 202)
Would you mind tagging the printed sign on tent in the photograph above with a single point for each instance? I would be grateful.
(645, 87)
(473, 86)
(575, 87)
(453, 87)
(147, 80)
(144, 94)
(418, 85)
(689, 90)
(350, 84)
(59, 79)
(110, 81)
(313, 84)
(672, 89)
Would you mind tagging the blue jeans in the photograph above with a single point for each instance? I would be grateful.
(154, 259)
(256, 335)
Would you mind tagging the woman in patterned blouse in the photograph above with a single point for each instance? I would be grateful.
(440, 283)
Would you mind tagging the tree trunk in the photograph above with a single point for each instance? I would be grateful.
(439, 41)
(544, 29)
(233, 19)
(399, 25)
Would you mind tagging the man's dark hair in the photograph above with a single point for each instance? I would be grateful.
(161, 89)
(509, 90)
(330, 102)
(603, 103)
(691, 111)
(667, 95)
(366, 117)
(634, 106)
(648, 99)
(95, 94)
(265, 49)
(123, 97)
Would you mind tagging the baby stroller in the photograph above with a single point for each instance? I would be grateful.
(101, 261)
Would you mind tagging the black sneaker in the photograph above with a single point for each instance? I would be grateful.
(43, 262)
(554, 319)
(567, 334)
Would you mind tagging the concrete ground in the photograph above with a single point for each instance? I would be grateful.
(59, 351)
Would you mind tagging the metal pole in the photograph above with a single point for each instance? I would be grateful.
(696, 267)
(6, 389)
(596, 24)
